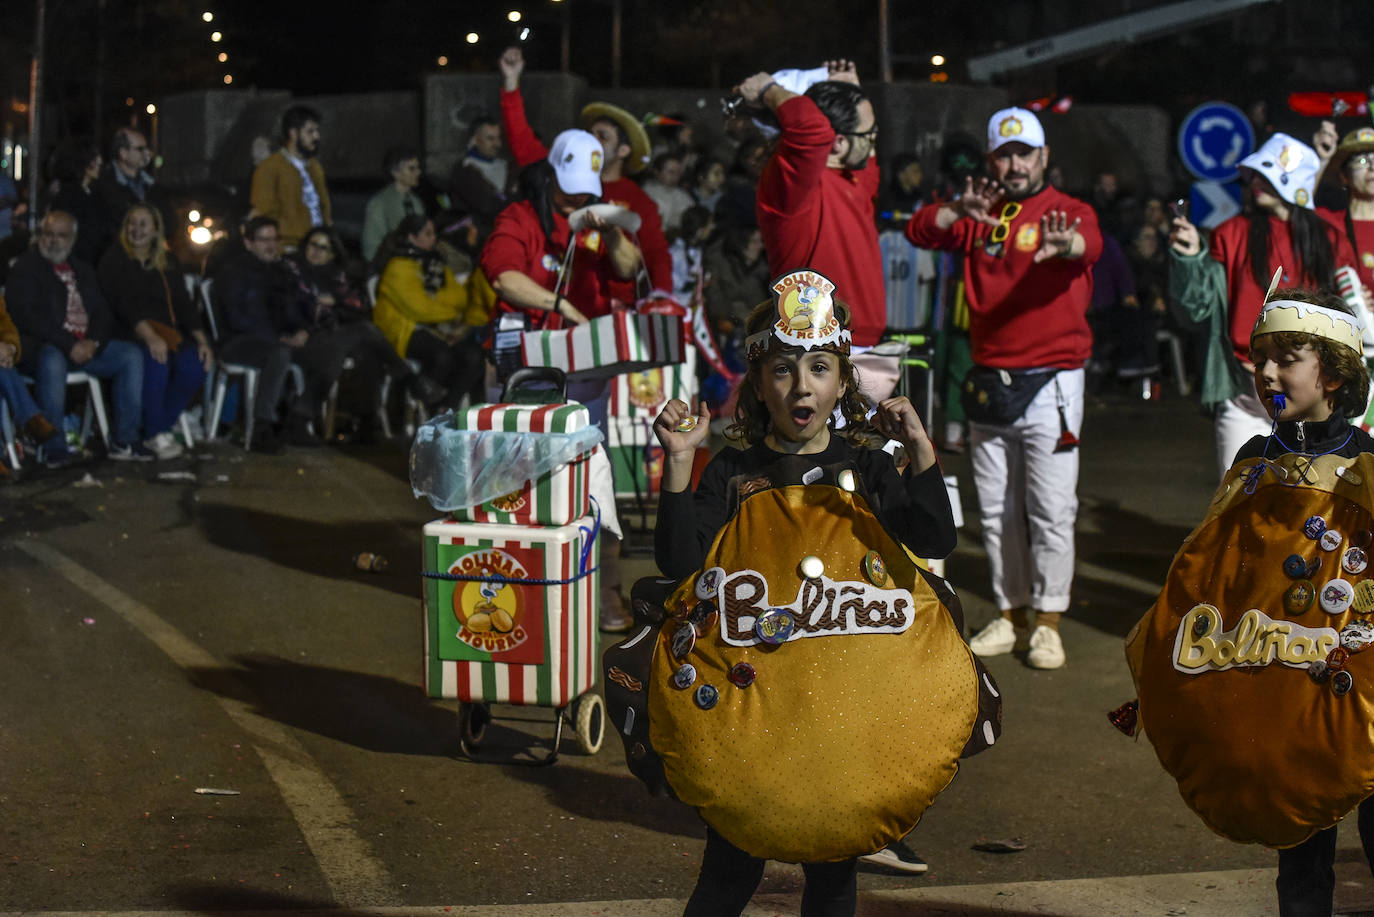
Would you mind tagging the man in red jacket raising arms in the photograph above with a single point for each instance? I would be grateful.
(626, 149)
(1028, 254)
(815, 202)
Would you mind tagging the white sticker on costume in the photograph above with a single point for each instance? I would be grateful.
(823, 608)
(812, 476)
(1257, 640)
(629, 720)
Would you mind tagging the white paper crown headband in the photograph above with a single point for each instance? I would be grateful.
(1294, 315)
(805, 317)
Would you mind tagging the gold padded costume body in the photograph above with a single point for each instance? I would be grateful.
(1262, 751)
(842, 741)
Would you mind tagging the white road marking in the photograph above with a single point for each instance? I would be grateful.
(355, 876)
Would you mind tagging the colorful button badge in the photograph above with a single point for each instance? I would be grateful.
(1341, 683)
(706, 696)
(684, 641)
(687, 424)
(1295, 567)
(708, 583)
(1354, 560)
(1299, 597)
(685, 676)
(1331, 540)
(1364, 596)
(1336, 596)
(774, 626)
(1313, 527)
(741, 675)
(875, 568)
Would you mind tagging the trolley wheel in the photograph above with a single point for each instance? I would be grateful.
(590, 720)
(472, 723)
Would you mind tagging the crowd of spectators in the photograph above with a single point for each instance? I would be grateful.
(100, 290)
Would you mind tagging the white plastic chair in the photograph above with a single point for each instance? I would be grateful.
(223, 371)
(7, 434)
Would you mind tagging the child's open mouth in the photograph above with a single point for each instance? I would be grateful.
(802, 416)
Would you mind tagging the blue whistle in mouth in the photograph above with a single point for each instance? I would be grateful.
(1280, 402)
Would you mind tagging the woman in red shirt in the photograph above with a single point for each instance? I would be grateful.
(1279, 229)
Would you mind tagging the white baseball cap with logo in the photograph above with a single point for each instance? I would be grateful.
(576, 159)
(1289, 165)
(1014, 125)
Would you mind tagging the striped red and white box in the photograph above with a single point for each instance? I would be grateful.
(642, 394)
(608, 345)
(557, 498)
(524, 629)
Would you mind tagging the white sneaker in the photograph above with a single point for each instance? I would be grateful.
(1046, 649)
(995, 639)
(164, 446)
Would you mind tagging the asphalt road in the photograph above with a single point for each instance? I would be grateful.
(163, 636)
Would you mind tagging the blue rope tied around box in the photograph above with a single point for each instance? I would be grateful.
(583, 569)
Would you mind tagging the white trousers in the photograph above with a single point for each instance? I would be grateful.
(1238, 421)
(1028, 498)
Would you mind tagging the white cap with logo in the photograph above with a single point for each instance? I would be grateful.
(1289, 165)
(576, 160)
(1014, 125)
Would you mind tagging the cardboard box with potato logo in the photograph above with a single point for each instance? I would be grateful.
(510, 611)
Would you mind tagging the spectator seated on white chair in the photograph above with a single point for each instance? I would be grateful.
(64, 326)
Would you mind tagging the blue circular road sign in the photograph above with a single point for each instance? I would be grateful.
(1213, 139)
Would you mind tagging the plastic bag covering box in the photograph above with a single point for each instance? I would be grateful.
(608, 345)
(556, 498)
(508, 642)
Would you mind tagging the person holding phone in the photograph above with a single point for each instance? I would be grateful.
(1226, 290)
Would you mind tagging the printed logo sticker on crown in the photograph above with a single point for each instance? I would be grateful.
(806, 316)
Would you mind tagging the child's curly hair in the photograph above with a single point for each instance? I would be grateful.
(752, 421)
(1337, 360)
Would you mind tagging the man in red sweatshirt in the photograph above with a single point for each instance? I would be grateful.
(815, 202)
(1028, 254)
(626, 148)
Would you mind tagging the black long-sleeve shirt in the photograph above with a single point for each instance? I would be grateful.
(1335, 436)
(914, 508)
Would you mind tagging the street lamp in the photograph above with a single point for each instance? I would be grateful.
(151, 109)
(937, 60)
(228, 78)
(223, 57)
(208, 16)
(443, 60)
(216, 36)
(513, 15)
(472, 38)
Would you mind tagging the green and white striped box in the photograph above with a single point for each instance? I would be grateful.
(608, 345)
(558, 497)
(528, 634)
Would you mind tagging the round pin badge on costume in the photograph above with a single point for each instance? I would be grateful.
(1314, 527)
(774, 626)
(706, 696)
(1299, 597)
(708, 583)
(1361, 538)
(1295, 567)
(846, 480)
(1336, 659)
(1331, 540)
(685, 676)
(1341, 683)
(684, 641)
(1354, 561)
(1364, 596)
(875, 568)
(1313, 567)
(741, 675)
(1336, 596)
(687, 424)
(811, 567)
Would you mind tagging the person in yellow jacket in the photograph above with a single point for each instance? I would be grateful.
(427, 315)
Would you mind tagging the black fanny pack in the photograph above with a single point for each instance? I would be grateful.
(1000, 396)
